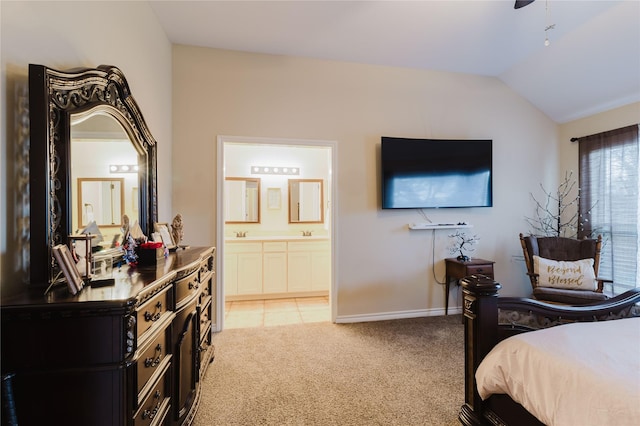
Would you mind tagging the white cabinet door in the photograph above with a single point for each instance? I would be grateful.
(309, 266)
(275, 272)
(249, 273)
(299, 267)
(230, 274)
(243, 268)
(320, 270)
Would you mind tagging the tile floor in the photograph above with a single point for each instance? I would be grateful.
(266, 313)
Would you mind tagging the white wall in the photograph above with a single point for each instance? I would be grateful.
(382, 267)
(64, 35)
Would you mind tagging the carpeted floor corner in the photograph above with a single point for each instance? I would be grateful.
(400, 372)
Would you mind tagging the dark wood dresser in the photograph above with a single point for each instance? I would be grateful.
(128, 354)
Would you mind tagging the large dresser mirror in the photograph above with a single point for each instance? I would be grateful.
(306, 198)
(101, 100)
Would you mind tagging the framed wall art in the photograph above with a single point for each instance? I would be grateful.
(274, 198)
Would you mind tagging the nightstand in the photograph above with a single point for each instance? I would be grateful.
(457, 269)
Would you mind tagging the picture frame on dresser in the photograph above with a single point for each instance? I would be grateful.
(163, 229)
(68, 267)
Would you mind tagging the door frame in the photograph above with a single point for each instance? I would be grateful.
(220, 219)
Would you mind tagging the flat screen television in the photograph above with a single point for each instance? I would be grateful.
(436, 173)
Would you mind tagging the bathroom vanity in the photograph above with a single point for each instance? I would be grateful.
(272, 267)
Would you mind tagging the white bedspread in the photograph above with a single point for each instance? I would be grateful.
(574, 374)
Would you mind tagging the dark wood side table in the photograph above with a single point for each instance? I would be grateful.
(457, 269)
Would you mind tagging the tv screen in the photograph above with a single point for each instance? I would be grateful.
(435, 173)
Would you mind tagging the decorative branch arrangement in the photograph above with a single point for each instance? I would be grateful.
(462, 243)
(550, 216)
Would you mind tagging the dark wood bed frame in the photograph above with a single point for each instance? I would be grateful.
(489, 319)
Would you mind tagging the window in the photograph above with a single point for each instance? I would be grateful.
(609, 193)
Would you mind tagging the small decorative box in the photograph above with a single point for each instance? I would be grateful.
(150, 253)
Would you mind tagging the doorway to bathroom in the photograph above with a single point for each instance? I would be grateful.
(275, 231)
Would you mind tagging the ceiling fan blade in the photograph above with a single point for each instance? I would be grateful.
(522, 3)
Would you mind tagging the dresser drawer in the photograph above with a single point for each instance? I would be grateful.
(205, 350)
(155, 407)
(186, 287)
(206, 288)
(206, 267)
(149, 313)
(151, 362)
(205, 314)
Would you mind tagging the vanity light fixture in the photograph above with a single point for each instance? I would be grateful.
(123, 168)
(274, 170)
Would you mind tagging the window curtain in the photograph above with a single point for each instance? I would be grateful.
(609, 203)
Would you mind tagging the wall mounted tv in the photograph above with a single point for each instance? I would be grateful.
(436, 173)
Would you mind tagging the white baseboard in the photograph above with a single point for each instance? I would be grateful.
(385, 316)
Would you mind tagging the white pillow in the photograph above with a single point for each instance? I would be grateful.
(576, 275)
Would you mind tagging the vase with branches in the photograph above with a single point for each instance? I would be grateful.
(558, 215)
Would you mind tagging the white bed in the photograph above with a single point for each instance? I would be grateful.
(574, 374)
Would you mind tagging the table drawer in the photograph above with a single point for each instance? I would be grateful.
(480, 269)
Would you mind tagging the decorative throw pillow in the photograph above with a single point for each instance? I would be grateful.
(576, 275)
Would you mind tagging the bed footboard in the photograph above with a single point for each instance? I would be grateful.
(489, 319)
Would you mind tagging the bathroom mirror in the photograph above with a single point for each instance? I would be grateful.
(242, 200)
(100, 200)
(306, 198)
(57, 99)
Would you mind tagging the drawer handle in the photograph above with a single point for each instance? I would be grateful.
(150, 414)
(153, 362)
(193, 285)
(149, 316)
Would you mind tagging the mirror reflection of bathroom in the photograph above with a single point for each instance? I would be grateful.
(280, 256)
(100, 200)
(104, 176)
(242, 201)
(305, 201)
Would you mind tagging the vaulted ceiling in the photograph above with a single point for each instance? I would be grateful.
(592, 63)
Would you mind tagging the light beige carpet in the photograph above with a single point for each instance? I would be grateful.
(401, 372)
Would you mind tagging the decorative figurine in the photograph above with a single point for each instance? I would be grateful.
(125, 228)
(176, 229)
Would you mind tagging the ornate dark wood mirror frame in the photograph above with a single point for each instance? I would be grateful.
(54, 96)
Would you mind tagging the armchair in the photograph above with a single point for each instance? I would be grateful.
(556, 258)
